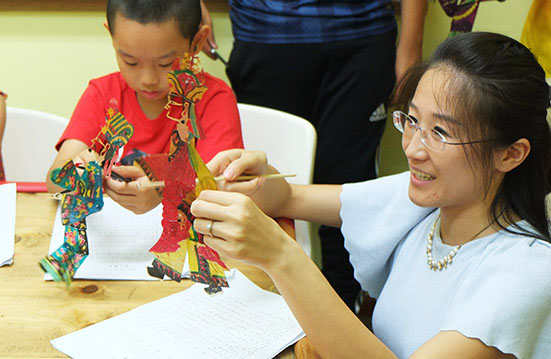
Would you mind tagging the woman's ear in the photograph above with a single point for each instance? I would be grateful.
(511, 157)
(200, 39)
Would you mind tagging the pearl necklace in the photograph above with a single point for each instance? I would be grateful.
(447, 260)
(444, 262)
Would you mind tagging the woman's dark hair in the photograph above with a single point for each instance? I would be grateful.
(186, 13)
(498, 91)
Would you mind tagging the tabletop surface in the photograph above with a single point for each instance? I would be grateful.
(34, 311)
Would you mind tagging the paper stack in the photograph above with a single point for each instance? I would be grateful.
(243, 321)
(7, 223)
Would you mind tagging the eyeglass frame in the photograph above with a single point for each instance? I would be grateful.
(396, 119)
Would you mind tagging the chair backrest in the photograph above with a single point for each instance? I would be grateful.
(290, 144)
(28, 147)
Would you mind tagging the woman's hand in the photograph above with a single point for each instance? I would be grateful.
(239, 229)
(237, 162)
(270, 196)
(129, 194)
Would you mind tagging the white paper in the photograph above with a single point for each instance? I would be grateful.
(7, 223)
(118, 243)
(243, 321)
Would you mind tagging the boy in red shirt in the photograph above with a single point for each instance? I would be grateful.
(148, 35)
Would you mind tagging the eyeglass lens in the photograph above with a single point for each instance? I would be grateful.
(407, 125)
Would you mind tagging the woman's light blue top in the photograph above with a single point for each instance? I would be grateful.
(498, 288)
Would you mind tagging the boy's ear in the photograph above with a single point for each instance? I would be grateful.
(512, 156)
(106, 25)
(200, 39)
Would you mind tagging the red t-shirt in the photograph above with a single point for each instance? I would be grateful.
(216, 113)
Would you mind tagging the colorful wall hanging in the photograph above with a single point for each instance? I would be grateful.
(463, 14)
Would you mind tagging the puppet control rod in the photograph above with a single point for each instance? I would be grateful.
(218, 179)
(141, 185)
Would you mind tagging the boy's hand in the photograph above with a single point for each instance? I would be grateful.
(127, 194)
(84, 157)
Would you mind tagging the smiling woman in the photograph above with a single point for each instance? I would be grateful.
(496, 93)
(457, 251)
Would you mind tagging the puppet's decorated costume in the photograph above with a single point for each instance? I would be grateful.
(185, 177)
(83, 196)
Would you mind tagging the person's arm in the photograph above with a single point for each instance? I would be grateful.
(410, 42)
(70, 149)
(240, 230)
(338, 333)
(127, 194)
(333, 330)
(207, 20)
(82, 127)
(86, 122)
(276, 197)
(454, 345)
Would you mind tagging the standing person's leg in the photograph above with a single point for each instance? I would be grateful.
(279, 76)
(358, 77)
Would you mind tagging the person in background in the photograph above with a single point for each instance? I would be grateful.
(457, 251)
(462, 13)
(148, 35)
(536, 34)
(333, 63)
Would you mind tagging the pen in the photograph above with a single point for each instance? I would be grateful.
(215, 53)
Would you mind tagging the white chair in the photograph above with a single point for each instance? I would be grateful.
(290, 144)
(28, 146)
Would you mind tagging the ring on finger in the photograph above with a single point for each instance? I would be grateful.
(209, 227)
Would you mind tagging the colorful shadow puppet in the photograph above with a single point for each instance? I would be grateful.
(83, 196)
(185, 176)
(462, 12)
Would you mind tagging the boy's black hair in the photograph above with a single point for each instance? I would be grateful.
(186, 13)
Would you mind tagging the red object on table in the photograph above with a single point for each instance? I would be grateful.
(28, 186)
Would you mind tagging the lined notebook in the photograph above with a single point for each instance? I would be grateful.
(118, 243)
(242, 322)
(7, 223)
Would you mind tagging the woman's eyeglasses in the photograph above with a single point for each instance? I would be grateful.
(434, 139)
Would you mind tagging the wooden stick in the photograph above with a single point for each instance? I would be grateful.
(219, 179)
(250, 177)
